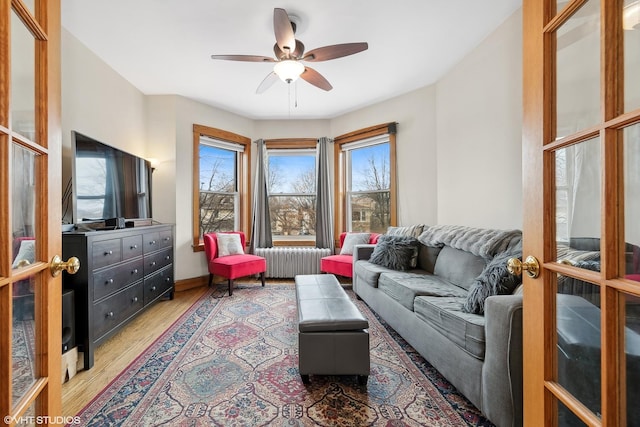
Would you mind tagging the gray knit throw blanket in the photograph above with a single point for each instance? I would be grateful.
(485, 243)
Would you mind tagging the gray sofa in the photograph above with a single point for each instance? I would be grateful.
(480, 354)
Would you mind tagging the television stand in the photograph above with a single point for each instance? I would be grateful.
(122, 272)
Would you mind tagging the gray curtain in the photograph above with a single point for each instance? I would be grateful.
(324, 201)
(261, 228)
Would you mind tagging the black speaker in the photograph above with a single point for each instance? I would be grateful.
(115, 222)
(68, 320)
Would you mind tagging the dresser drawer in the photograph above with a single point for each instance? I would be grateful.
(131, 247)
(114, 310)
(106, 252)
(157, 284)
(157, 260)
(109, 280)
(166, 239)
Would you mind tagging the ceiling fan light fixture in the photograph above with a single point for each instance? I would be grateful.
(288, 70)
(631, 16)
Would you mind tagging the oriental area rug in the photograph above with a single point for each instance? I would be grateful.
(233, 361)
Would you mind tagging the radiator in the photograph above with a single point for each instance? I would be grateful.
(287, 261)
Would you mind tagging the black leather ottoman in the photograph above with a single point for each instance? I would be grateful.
(332, 333)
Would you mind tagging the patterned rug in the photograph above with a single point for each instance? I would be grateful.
(233, 361)
(23, 357)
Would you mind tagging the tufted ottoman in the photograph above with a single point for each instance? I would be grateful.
(332, 333)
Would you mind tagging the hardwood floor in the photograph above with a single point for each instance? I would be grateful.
(115, 354)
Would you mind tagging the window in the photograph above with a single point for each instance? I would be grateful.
(292, 193)
(367, 191)
(220, 184)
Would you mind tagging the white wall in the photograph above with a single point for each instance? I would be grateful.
(188, 263)
(479, 133)
(99, 103)
(459, 155)
(416, 149)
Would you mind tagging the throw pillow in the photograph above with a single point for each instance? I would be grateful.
(26, 254)
(495, 279)
(412, 230)
(396, 252)
(353, 239)
(229, 244)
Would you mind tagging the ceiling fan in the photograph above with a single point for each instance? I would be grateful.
(290, 52)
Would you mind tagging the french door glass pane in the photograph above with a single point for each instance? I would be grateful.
(566, 418)
(23, 230)
(30, 5)
(631, 25)
(23, 350)
(578, 189)
(578, 71)
(631, 142)
(23, 80)
(579, 340)
(632, 354)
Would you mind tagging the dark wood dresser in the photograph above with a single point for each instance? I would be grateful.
(121, 273)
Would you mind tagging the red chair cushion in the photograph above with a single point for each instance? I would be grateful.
(341, 265)
(234, 266)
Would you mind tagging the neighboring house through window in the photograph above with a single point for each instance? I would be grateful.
(291, 174)
(220, 182)
(366, 201)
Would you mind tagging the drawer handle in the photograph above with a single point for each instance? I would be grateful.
(134, 247)
(110, 314)
(109, 282)
(153, 242)
(108, 253)
(167, 257)
(153, 289)
(134, 299)
(166, 239)
(168, 279)
(135, 271)
(153, 263)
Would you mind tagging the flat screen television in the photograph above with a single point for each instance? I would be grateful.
(108, 182)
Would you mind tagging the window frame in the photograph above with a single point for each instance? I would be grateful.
(243, 178)
(293, 144)
(342, 176)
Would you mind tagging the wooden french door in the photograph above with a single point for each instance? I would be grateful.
(30, 212)
(581, 174)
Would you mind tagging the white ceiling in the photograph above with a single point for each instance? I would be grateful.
(164, 47)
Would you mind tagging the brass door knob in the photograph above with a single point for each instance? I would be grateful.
(530, 265)
(57, 265)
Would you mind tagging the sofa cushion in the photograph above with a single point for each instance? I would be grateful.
(396, 252)
(427, 256)
(369, 272)
(445, 314)
(405, 286)
(412, 230)
(458, 266)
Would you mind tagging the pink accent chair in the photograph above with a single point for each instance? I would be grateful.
(232, 266)
(342, 265)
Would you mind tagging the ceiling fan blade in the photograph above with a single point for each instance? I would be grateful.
(267, 82)
(334, 51)
(284, 31)
(315, 78)
(245, 58)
